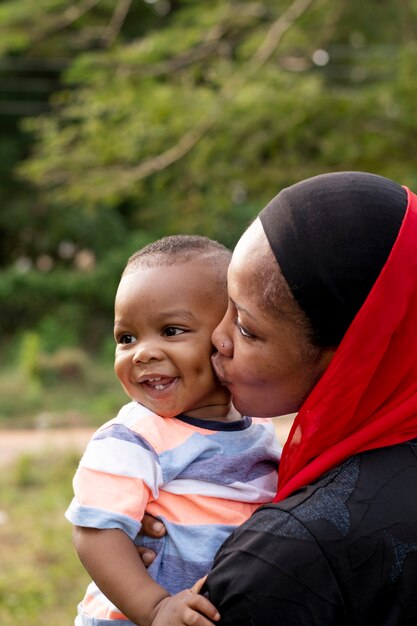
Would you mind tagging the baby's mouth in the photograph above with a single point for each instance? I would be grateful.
(157, 382)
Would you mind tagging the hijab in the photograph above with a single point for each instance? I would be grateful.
(347, 246)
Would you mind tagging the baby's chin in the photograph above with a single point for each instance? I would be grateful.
(218, 405)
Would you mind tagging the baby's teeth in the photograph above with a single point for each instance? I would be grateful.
(152, 380)
(159, 386)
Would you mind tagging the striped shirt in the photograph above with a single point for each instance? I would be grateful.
(201, 478)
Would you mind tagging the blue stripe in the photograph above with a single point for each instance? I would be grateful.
(119, 431)
(230, 469)
(222, 458)
(93, 517)
(196, 543)
(176, 575)
(185, 554)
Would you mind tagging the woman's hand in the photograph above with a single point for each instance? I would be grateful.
(151, 527)
(186, 607)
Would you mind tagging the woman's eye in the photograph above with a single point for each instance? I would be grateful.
(126, 339)
(244, 331)
(173, 331)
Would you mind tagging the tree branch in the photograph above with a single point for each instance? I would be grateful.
(191, 138)
(116, 21)
(277, 31)
(68, 17)
(170, 156)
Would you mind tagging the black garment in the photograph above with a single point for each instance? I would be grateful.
(341, 552)
(331, 235)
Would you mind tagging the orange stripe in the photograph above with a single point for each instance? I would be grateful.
(165, 433)
(121, 494)
(93, 607)
(192, 509)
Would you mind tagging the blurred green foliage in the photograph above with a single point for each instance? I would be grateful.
(125, 120)
(29, 357)
(178, 116)
(70, 389)
(41, 579)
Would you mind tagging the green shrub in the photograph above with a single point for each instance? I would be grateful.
(69, 365)
(72, 389)
(29, 357)
(65, 307)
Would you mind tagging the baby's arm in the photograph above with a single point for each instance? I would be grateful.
(111, 559)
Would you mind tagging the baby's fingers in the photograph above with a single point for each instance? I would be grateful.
(202, 609)
(196, 588)
(185, 609)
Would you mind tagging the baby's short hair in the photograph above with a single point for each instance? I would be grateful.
(182, 249)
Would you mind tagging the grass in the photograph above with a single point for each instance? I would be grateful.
(41, 579)
(86, 396)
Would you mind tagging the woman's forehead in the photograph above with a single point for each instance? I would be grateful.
(251, 249)
(250, 262)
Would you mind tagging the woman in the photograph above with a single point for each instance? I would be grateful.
(322, 320)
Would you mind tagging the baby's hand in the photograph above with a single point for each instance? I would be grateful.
(184, 609)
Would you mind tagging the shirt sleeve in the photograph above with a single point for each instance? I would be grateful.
(118, 475)
(272, 572)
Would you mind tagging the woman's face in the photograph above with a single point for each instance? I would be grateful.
(265, 360)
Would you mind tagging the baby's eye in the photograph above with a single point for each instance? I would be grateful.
(173, 331)
(126, 339)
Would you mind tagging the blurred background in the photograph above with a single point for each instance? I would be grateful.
(125, 120)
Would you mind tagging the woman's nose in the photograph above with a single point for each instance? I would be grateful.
(222, 341)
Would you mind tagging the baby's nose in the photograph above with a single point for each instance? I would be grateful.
(146, 352)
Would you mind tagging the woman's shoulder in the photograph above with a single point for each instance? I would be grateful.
(341, 498)
(361, 516)
(272, 571)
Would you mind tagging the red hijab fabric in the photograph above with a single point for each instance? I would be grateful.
(367, 398)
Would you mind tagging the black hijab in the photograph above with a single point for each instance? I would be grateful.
(329, 245)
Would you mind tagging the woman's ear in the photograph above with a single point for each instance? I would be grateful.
(326, 357)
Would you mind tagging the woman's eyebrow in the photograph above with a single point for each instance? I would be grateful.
(241, 308)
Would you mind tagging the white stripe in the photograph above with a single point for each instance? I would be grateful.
(262, 489)
(122, 458)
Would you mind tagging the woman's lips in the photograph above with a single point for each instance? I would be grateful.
(215, 361)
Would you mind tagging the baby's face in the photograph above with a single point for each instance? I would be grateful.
(164, 318)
